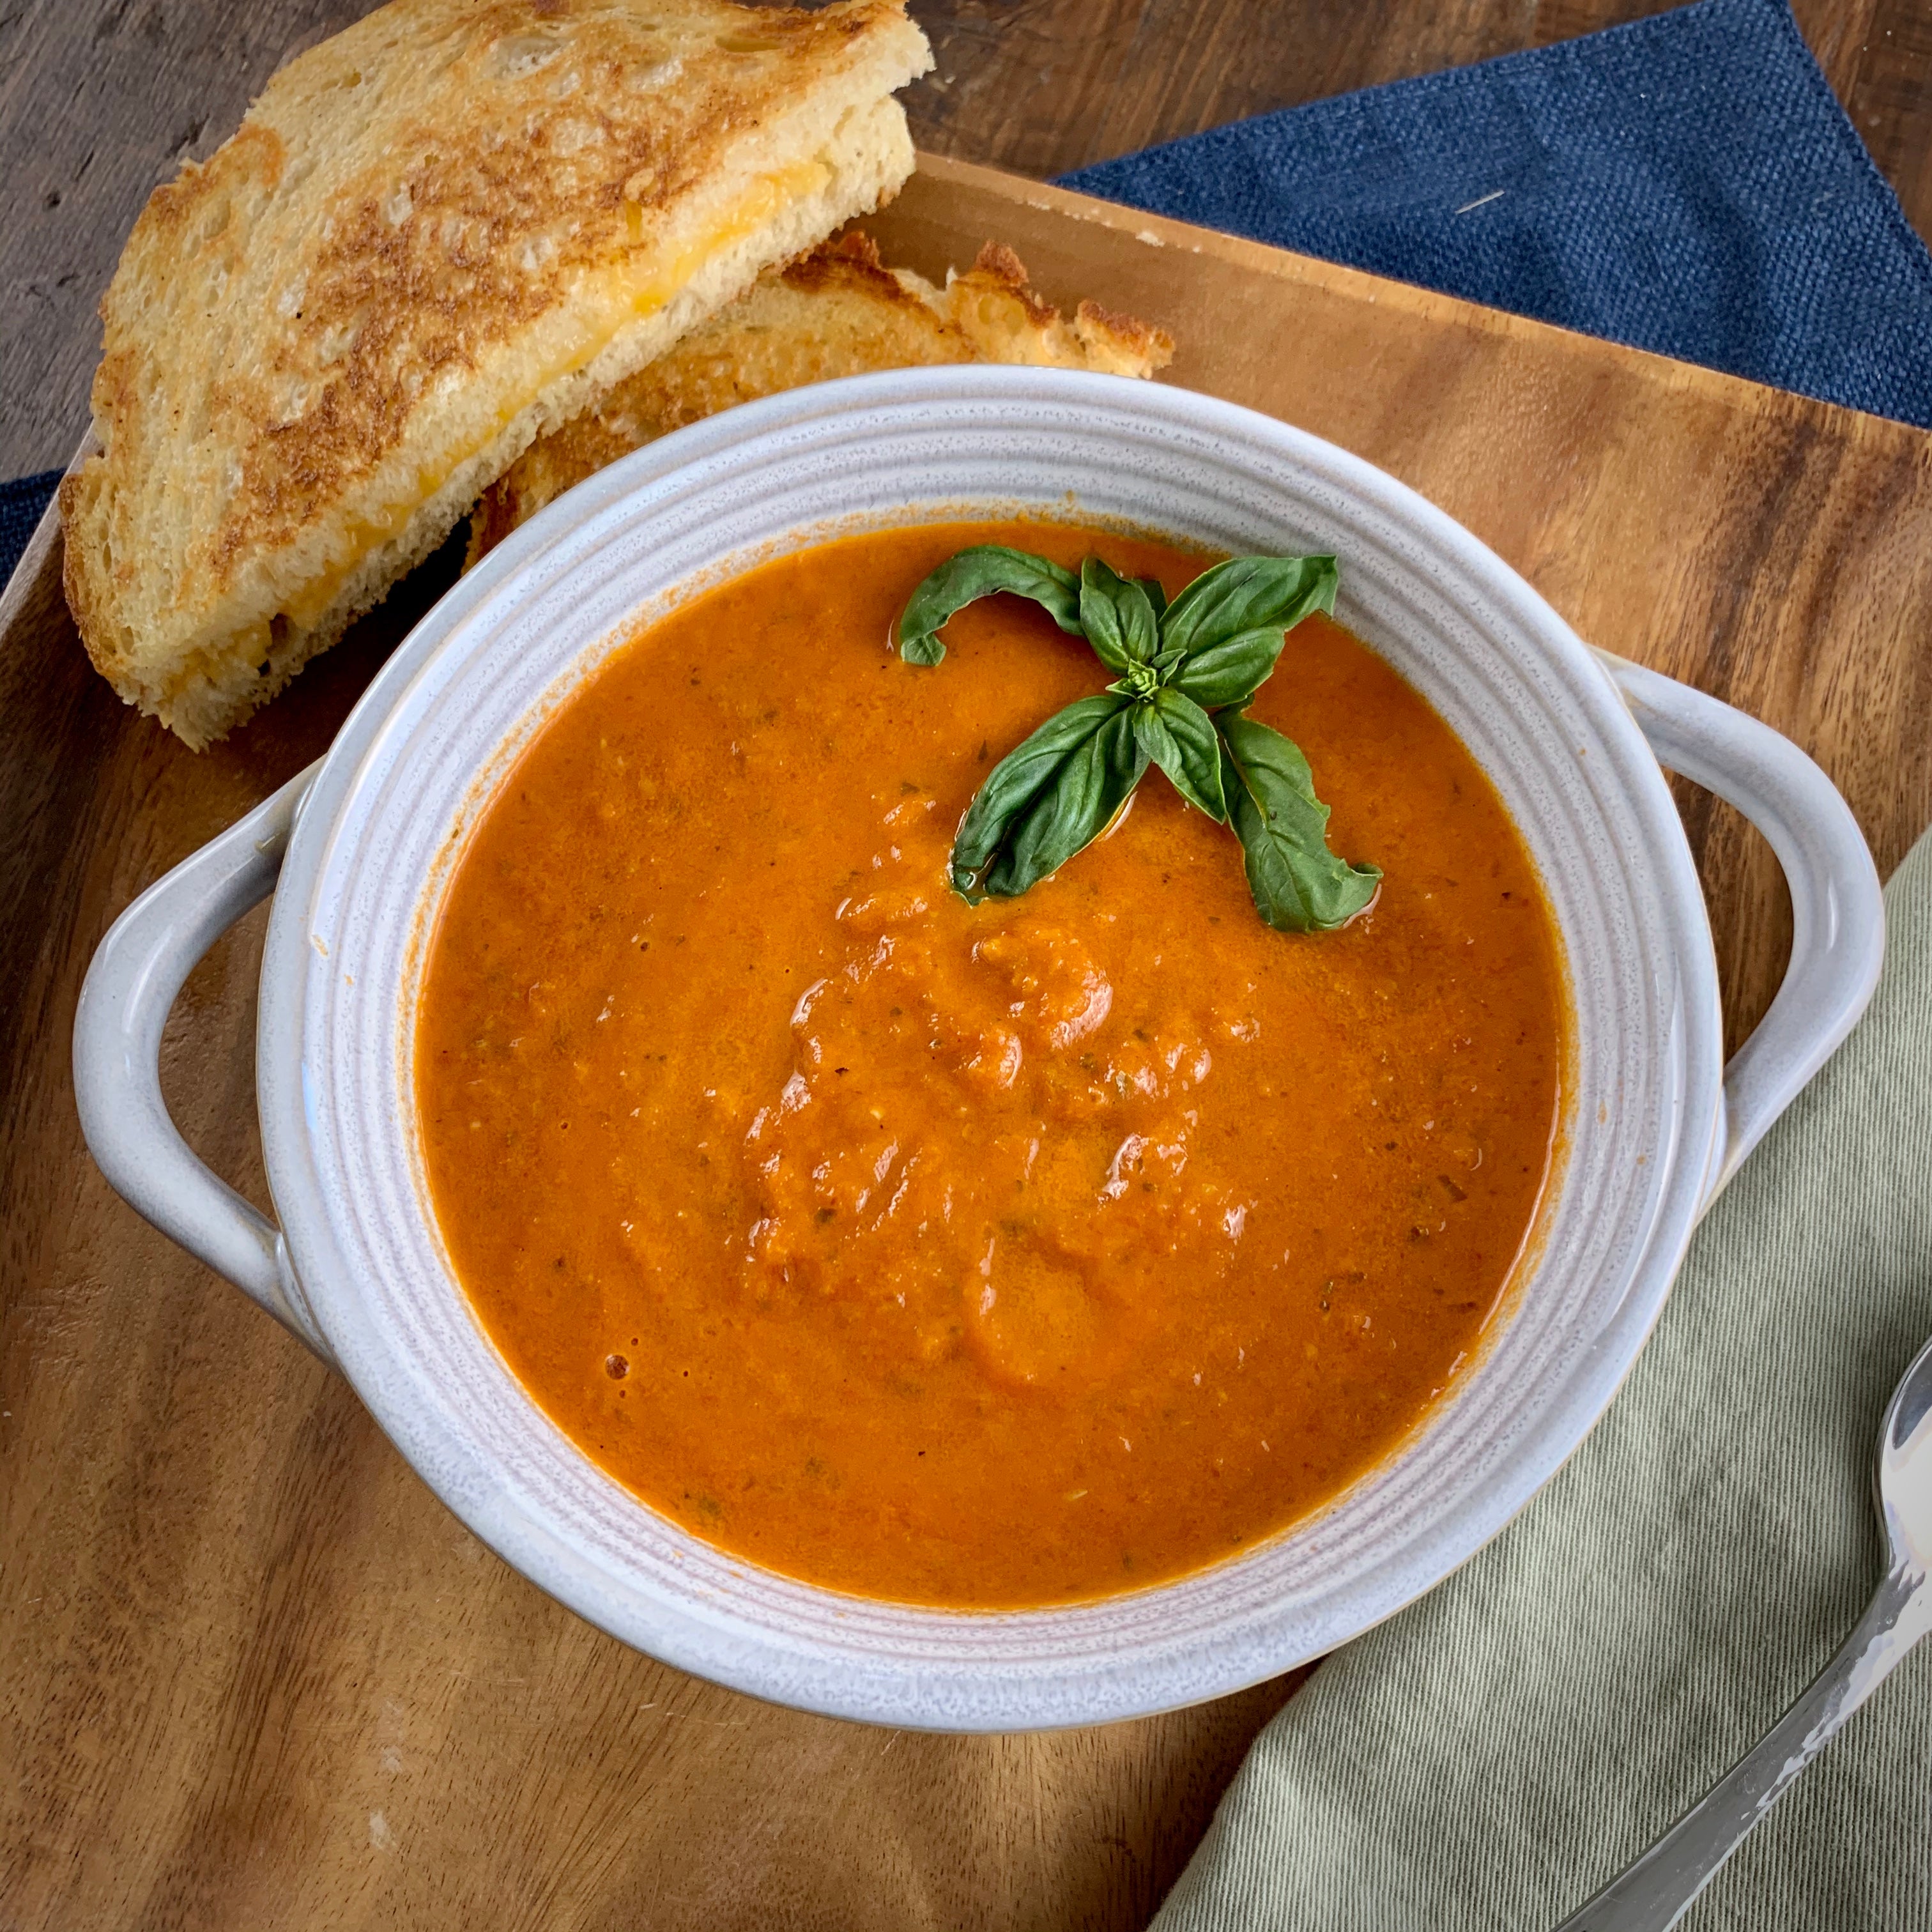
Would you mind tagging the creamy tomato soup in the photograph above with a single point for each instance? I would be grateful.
(990, 1255)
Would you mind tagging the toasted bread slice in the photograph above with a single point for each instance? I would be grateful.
(836, 312)
(434, 237)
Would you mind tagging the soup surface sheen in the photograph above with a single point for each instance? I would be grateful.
(976, 1256)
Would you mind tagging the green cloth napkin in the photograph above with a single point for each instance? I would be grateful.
(1492, 1755)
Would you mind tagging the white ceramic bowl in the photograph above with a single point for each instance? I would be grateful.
(1656, 1121)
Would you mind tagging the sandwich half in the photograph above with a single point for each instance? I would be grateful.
(435, 237)
(838, 311)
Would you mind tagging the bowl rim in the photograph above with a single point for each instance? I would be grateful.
(532, 1545)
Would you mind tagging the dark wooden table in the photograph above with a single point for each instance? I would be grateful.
(250, 1674)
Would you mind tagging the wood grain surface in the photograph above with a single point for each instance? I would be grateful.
(101, 100)
(255, 1676)
(252, 1676)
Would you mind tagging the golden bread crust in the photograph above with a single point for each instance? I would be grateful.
(837, 311)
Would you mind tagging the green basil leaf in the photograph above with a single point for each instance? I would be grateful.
(1248, 593)
(1157, 592)
(1230, 672)
(1180, 737)
(1118, 616)
(980, 572)
(1046, 799)
(1298, 884)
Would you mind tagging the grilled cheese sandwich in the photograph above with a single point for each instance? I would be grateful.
(838, 311)
(435, 238)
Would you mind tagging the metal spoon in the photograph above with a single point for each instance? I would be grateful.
(1656, 1891)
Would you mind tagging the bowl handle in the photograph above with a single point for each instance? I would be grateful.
(132, 983)
(1837, 913)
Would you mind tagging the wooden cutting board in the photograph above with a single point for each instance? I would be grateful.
(254, 1676)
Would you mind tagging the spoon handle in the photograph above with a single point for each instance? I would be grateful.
(1655, 1892)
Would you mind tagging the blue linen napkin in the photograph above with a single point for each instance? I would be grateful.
(22, 501)
(1688, 184)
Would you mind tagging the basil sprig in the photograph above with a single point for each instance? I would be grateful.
(1186, 671)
